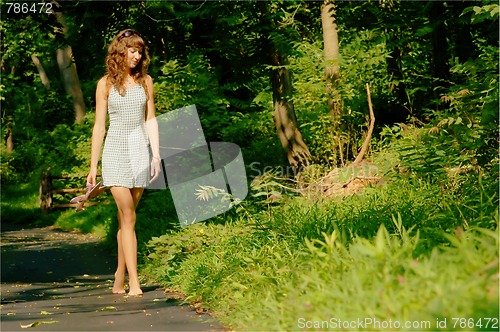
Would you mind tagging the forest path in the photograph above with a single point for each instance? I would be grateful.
(61, 281)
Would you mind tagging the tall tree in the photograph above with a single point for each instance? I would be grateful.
(331, 54)
(69, 73)
(41, 71)
(285, 119)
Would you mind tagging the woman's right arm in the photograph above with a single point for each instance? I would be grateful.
(101, 109)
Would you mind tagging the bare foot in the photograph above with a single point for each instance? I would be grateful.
(134, 288)
(136, 292)
(119, 285)
(119, 291)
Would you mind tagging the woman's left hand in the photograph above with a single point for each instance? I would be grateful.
(155, 169)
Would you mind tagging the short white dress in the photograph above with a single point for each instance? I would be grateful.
(126, 155)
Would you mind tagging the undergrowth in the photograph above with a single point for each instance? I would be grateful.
(404, 251)
(419, 247)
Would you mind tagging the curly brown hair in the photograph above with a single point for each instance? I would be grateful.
(116, 60)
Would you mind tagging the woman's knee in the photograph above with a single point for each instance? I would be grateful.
(126, 204)
(127, 217)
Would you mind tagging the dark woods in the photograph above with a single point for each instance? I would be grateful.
(283, 79)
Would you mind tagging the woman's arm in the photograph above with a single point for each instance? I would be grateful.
(152, 130)
(101, 109)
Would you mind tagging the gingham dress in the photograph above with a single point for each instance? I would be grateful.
(126, 158)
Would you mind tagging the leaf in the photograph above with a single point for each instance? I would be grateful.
(108, 308)
(441, 153)
(208, 192)
(43, 312)
(35, 324)
(380, 240)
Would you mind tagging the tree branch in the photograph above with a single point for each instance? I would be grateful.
(368, 137)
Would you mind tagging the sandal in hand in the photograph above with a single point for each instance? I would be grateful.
(92, 192)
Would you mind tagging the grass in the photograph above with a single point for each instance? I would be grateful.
(96, 220)
(400, 252)
(20, 205)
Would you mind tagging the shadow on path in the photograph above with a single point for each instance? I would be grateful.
(61, 281)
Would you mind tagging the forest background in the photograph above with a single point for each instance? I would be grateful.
(392, 215)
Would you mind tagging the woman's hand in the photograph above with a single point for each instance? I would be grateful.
(92, 177)
(155, 169)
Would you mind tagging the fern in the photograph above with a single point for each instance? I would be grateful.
(206, 193)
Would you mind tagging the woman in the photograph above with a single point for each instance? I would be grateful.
(131, 157)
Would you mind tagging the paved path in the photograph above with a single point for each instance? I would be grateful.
(60, 281)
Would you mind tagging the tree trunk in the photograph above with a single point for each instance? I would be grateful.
(69, 74)
(8, 120)
(41, 72)
(9, 140)
(285, 119)
(46, 191)
(331, 54)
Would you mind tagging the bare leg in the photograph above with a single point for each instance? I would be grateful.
(126, 200)
(119, 285)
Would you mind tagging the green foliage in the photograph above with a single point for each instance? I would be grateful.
(482, 13)
(462, 141)
(399, 252)
(363, 60)
(407, 288)
(65, 150)
(446, 161)
(422, 245)
(7, 170)
(202, 54)
(20, 204)
(96, 220)
(193, 83)
(473, 115)
(37, 117)
(317, 126)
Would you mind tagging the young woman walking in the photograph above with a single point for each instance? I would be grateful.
(131, 157)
